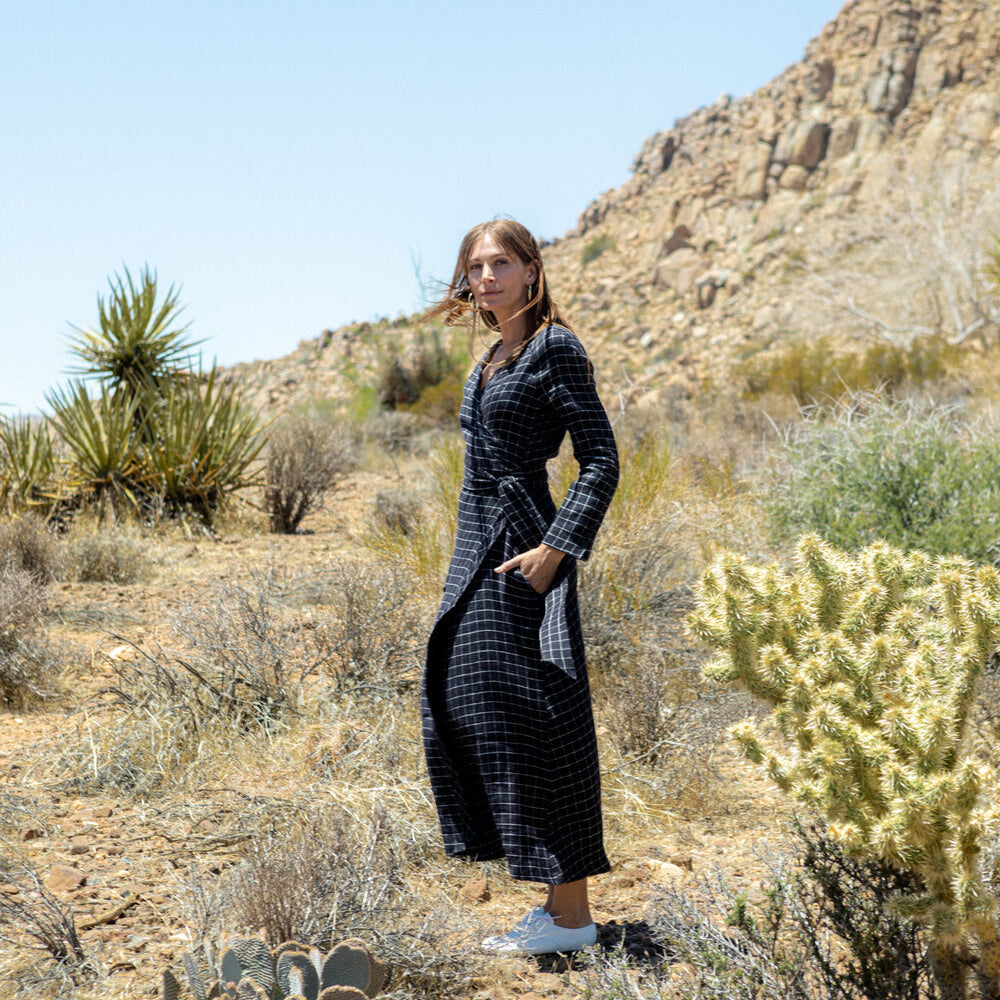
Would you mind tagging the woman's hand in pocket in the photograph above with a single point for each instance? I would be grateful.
(538, 566)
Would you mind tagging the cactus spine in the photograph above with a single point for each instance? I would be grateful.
(870, 664)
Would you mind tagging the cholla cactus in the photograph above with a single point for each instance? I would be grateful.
(870, 663)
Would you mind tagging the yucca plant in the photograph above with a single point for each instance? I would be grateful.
(103, 461)
(200, 442)
(26, 463)
(136, 343)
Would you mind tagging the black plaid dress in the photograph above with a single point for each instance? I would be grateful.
(507, 722)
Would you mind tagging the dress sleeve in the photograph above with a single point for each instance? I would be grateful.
(567, 380)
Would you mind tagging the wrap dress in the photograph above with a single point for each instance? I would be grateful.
(507, 722)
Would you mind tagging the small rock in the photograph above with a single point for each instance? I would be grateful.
(9, 890)
(102, 812)
(79, 849)
(476, 890)
(683, 861)
(63, 878)
(32, 833)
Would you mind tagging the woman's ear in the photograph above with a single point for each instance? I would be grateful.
(533, 274)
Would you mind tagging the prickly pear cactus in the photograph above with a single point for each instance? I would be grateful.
(247, 970)
(870, 664)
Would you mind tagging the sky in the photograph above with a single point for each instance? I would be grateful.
(300, 165)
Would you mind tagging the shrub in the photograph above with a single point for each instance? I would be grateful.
(397, 511)
(246, 662)
(870, 666)
(108, 556)
(824, 929)
(914, 475)
(595, 247)
(199, 444)
(136, 342)
(406, 374)
(315, 880)
(30, 916)
(306, 456)
(28, 545)
(103, 463)
(161, 436)
(27, 664)
(822, 368)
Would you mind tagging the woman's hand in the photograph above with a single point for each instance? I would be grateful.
(538, 566)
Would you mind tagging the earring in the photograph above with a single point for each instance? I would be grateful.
(529, 292)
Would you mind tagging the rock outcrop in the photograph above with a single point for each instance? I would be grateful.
(707, 246)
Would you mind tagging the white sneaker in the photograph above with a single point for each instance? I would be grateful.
(539, 934)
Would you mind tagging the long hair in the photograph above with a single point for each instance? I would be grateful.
(458, 306)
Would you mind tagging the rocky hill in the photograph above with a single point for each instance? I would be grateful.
(852, 197)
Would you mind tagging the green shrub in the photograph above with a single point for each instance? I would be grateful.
(820, 368)
(103, 463)
(914, 475)
(136, 343)
(595, 247)
(406, 375)
(161, 436)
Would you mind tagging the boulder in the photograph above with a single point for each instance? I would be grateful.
(843, 135)
(679, 271)
(751, 177)
(820, 79)
(794, 178)
(809, 144)
(977, 116)
(889, 89)
(678, 239)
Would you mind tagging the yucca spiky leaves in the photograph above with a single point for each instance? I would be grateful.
(27, 462)
(136, 340)
(103, 461)
(870, 663)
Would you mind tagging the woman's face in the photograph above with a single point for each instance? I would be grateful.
(499, 281)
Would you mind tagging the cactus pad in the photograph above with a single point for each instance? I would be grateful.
(280, 949)
(171, 988)
(297, 974)
(342, 993)
(348, 964)
(249, 990)
(194, 977)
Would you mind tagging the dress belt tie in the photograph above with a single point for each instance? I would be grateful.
(514, 493)
(486, 484)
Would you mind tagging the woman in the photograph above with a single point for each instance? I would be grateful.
(508, 728)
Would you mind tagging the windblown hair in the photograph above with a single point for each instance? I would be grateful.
(458, 306)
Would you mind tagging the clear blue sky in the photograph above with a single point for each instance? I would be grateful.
(292, 165)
